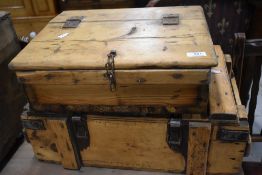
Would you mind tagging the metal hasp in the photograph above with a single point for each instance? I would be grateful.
(33, 124)
(110, 70)
(174, 134)
(73, 21)
(170, 19)
(80, 130)
(232, 135)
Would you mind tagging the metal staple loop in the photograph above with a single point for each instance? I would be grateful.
(110, 70)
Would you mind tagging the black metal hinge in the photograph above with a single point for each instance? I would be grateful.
(174, 134)
(170, 19)
(177, 135)
(73, 21)
(33, 124)
(232, 135)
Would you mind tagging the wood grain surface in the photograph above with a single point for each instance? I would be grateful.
(226, 157)
(138, 36)
(136, 143)
(53, 143)
(221, 98)
(95, 77)
(25, 163)
(198, 147)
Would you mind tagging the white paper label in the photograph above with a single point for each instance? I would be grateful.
(215, 71)
(196, 54)
(62, 35)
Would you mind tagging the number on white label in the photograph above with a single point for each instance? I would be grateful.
(196, 54)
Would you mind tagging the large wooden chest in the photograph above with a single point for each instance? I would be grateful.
(141, 57)
(184, 143)
(132, 88)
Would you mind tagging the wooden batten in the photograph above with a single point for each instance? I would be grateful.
(241, 109)
(229, 64)
(235, 90)
(221, 97)
(198, 144)
(229, 143)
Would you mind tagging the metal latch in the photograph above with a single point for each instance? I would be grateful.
(170, 19)
(73, 21)
(81, 132)
(33, 124)
(110, 70)
(174, 134)
(232, 135)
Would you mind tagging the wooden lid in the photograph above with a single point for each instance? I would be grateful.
(138, 36)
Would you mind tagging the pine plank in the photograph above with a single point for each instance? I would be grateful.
(236, 91)
(123, 77)
(229, 64)
(136, 143)
(131, 54)
(179, 95)
(141, 41)
(119, 30)
(241, 109)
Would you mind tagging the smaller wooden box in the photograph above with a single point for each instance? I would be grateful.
(146, 57)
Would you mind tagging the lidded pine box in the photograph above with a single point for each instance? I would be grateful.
(147, 57)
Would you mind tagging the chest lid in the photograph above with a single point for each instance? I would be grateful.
(144, 38)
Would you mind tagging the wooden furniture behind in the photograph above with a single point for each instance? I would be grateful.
(247, 62)
(29, 15)
(33, 15)
(12, 98)
(93, 4)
